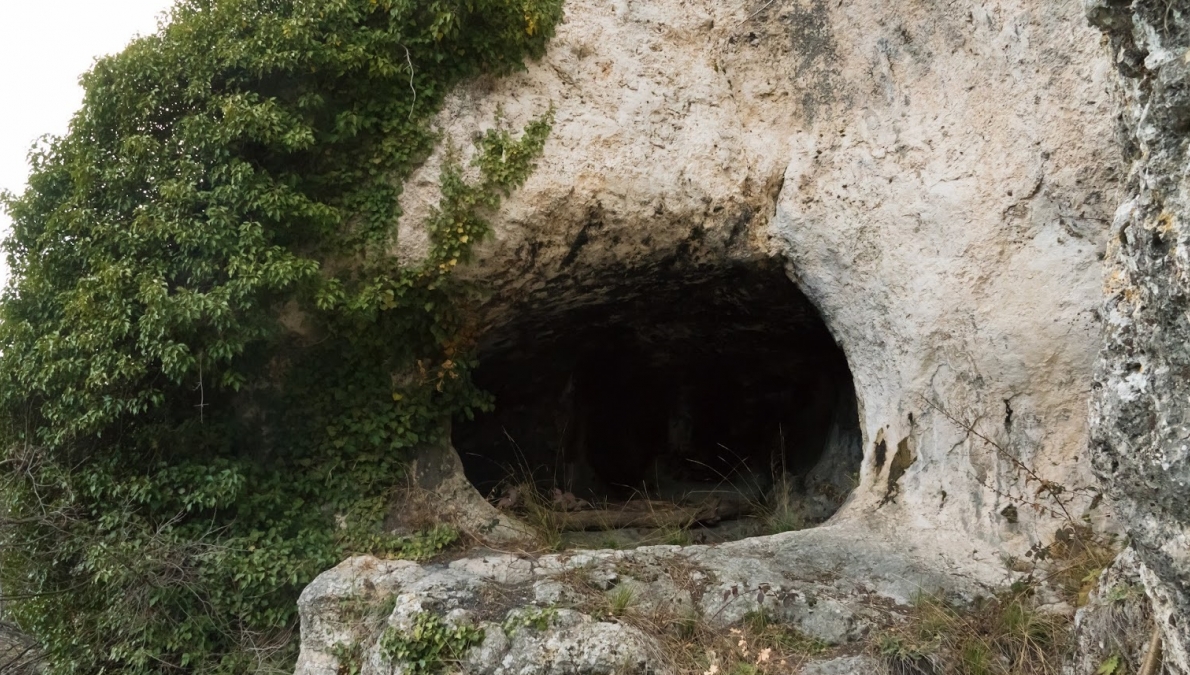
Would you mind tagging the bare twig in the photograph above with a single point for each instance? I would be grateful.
(202, 393)
(409, 62)
(753, 15)
(971, 429)
(1153, 658)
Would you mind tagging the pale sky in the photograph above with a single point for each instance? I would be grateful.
(44, 46)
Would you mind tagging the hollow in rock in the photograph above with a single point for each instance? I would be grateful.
(709, 402)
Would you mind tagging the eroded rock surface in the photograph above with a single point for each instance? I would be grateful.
(582, 612)
(937, 179)
(1141, 412)
(1116, 623)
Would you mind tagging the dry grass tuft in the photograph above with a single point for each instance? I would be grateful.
(1022, 631)
(784, 509)
(534, 508)
(1005, 635)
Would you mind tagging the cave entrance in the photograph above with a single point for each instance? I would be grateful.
(719, 392)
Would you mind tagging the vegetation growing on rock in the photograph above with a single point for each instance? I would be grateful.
(210, 365)
(429, 645)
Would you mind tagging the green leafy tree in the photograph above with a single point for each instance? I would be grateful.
(210, 367)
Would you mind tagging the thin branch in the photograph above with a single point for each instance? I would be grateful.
(1153, 658)
(409, 61)
(1030, 474)
(753, 15)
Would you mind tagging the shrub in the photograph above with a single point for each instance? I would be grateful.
(210, 367)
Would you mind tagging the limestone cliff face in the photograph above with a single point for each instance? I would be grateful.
(937, 178)
(1141, 413)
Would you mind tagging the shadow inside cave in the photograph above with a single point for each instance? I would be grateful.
(677, 399)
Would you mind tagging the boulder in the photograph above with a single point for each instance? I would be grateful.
(605, 611)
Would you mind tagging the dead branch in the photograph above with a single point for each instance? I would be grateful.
(1153, 658)
(1052, 489)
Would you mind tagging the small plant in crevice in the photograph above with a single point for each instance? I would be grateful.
(1073, 562)
(621, 599)
(1112, 665)
(429, 646)
(362, 616)
(535, 618)
(349, 656)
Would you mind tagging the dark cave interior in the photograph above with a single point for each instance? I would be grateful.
(667, 385)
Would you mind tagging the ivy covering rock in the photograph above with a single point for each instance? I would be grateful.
(210, 366)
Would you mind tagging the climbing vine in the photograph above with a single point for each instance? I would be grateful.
(210, 365)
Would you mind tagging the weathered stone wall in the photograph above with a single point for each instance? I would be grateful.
(947, 212)
(1141, 413)
(938, 178)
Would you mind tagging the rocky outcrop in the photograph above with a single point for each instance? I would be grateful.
(937, 179)
(1141, 413)
(438, 492)
(590, 612)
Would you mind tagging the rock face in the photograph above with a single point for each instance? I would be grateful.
(579, 612)
(938, 180)
(1141, 413)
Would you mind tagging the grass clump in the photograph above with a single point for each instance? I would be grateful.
(621, 599)
(769, 633)
(1005, 635)
(1012, 633)
(783, 510)
(523, 498)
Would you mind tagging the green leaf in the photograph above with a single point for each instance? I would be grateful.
(1109, 667)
